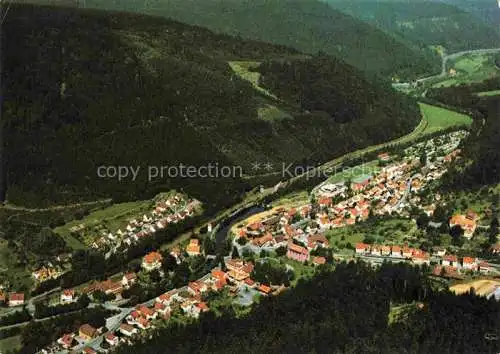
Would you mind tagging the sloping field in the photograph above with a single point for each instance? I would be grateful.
(481, 287)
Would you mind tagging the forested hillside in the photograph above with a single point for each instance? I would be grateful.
(428, 23)
(481, 163)
(487, 10)
(345, 311)
(308, 25)
(85, 89)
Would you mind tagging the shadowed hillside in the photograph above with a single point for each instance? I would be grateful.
(429, 23)
(85, 89)
(308, 25)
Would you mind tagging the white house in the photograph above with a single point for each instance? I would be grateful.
(127, 330)
(67, 295)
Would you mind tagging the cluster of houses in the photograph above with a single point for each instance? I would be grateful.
(188, 299)
(11, 299)
(47, 272)
(391, 189)
(450, 263)
(166, 211)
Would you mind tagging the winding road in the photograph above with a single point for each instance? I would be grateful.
(444, 62)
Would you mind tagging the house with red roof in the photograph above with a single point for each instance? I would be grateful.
(68, 295)
(111, 339)
(218, 274)
(143, 323)
(249, 282)
(325, 201)
(66, 341)
(197, 287)
(407, 252)
(376, 250)
(255, 228)
(362, 248)
(468, 225)
(264, 289)
(129, 278)
(161, 308)
(317, 240)
(450, 261)
(87, 332)
(396, 251)
(469, 263)
(193, 248)
(319, 260)
(16, 299)
(297, 252)
(152, 261)
(127, 330)
(421, 258)
(146, 312)
(385, 250)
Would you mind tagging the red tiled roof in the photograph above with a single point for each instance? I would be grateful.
(469, 260)
(16, 297)
(362, 246)
(319, 260)
(264, 288)
(69, 292)
(451, 258)
(297, 249)
(126, 327)
(153, 257)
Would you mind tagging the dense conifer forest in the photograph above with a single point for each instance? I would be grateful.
(344, 311)
(308, 25)
(428, 23)
(124, 89)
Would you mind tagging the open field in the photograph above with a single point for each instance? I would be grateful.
(11, 271)
(369, 168)
(440, 118)
(470, 68)
(270, 108)
(12, 344)
(481, 287)
(241, 68)
(390, 231)
(489, 93)
(398, 313)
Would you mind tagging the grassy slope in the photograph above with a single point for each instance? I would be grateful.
(441, 118)
(489, 93)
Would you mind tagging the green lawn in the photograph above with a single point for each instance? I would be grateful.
(389, 231)
(12, 344)
(440, 118)
(292, 199)
(369, 168)
(489, 93)
(10, 269)
(399, 313)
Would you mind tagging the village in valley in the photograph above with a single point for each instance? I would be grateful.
(271, 250)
